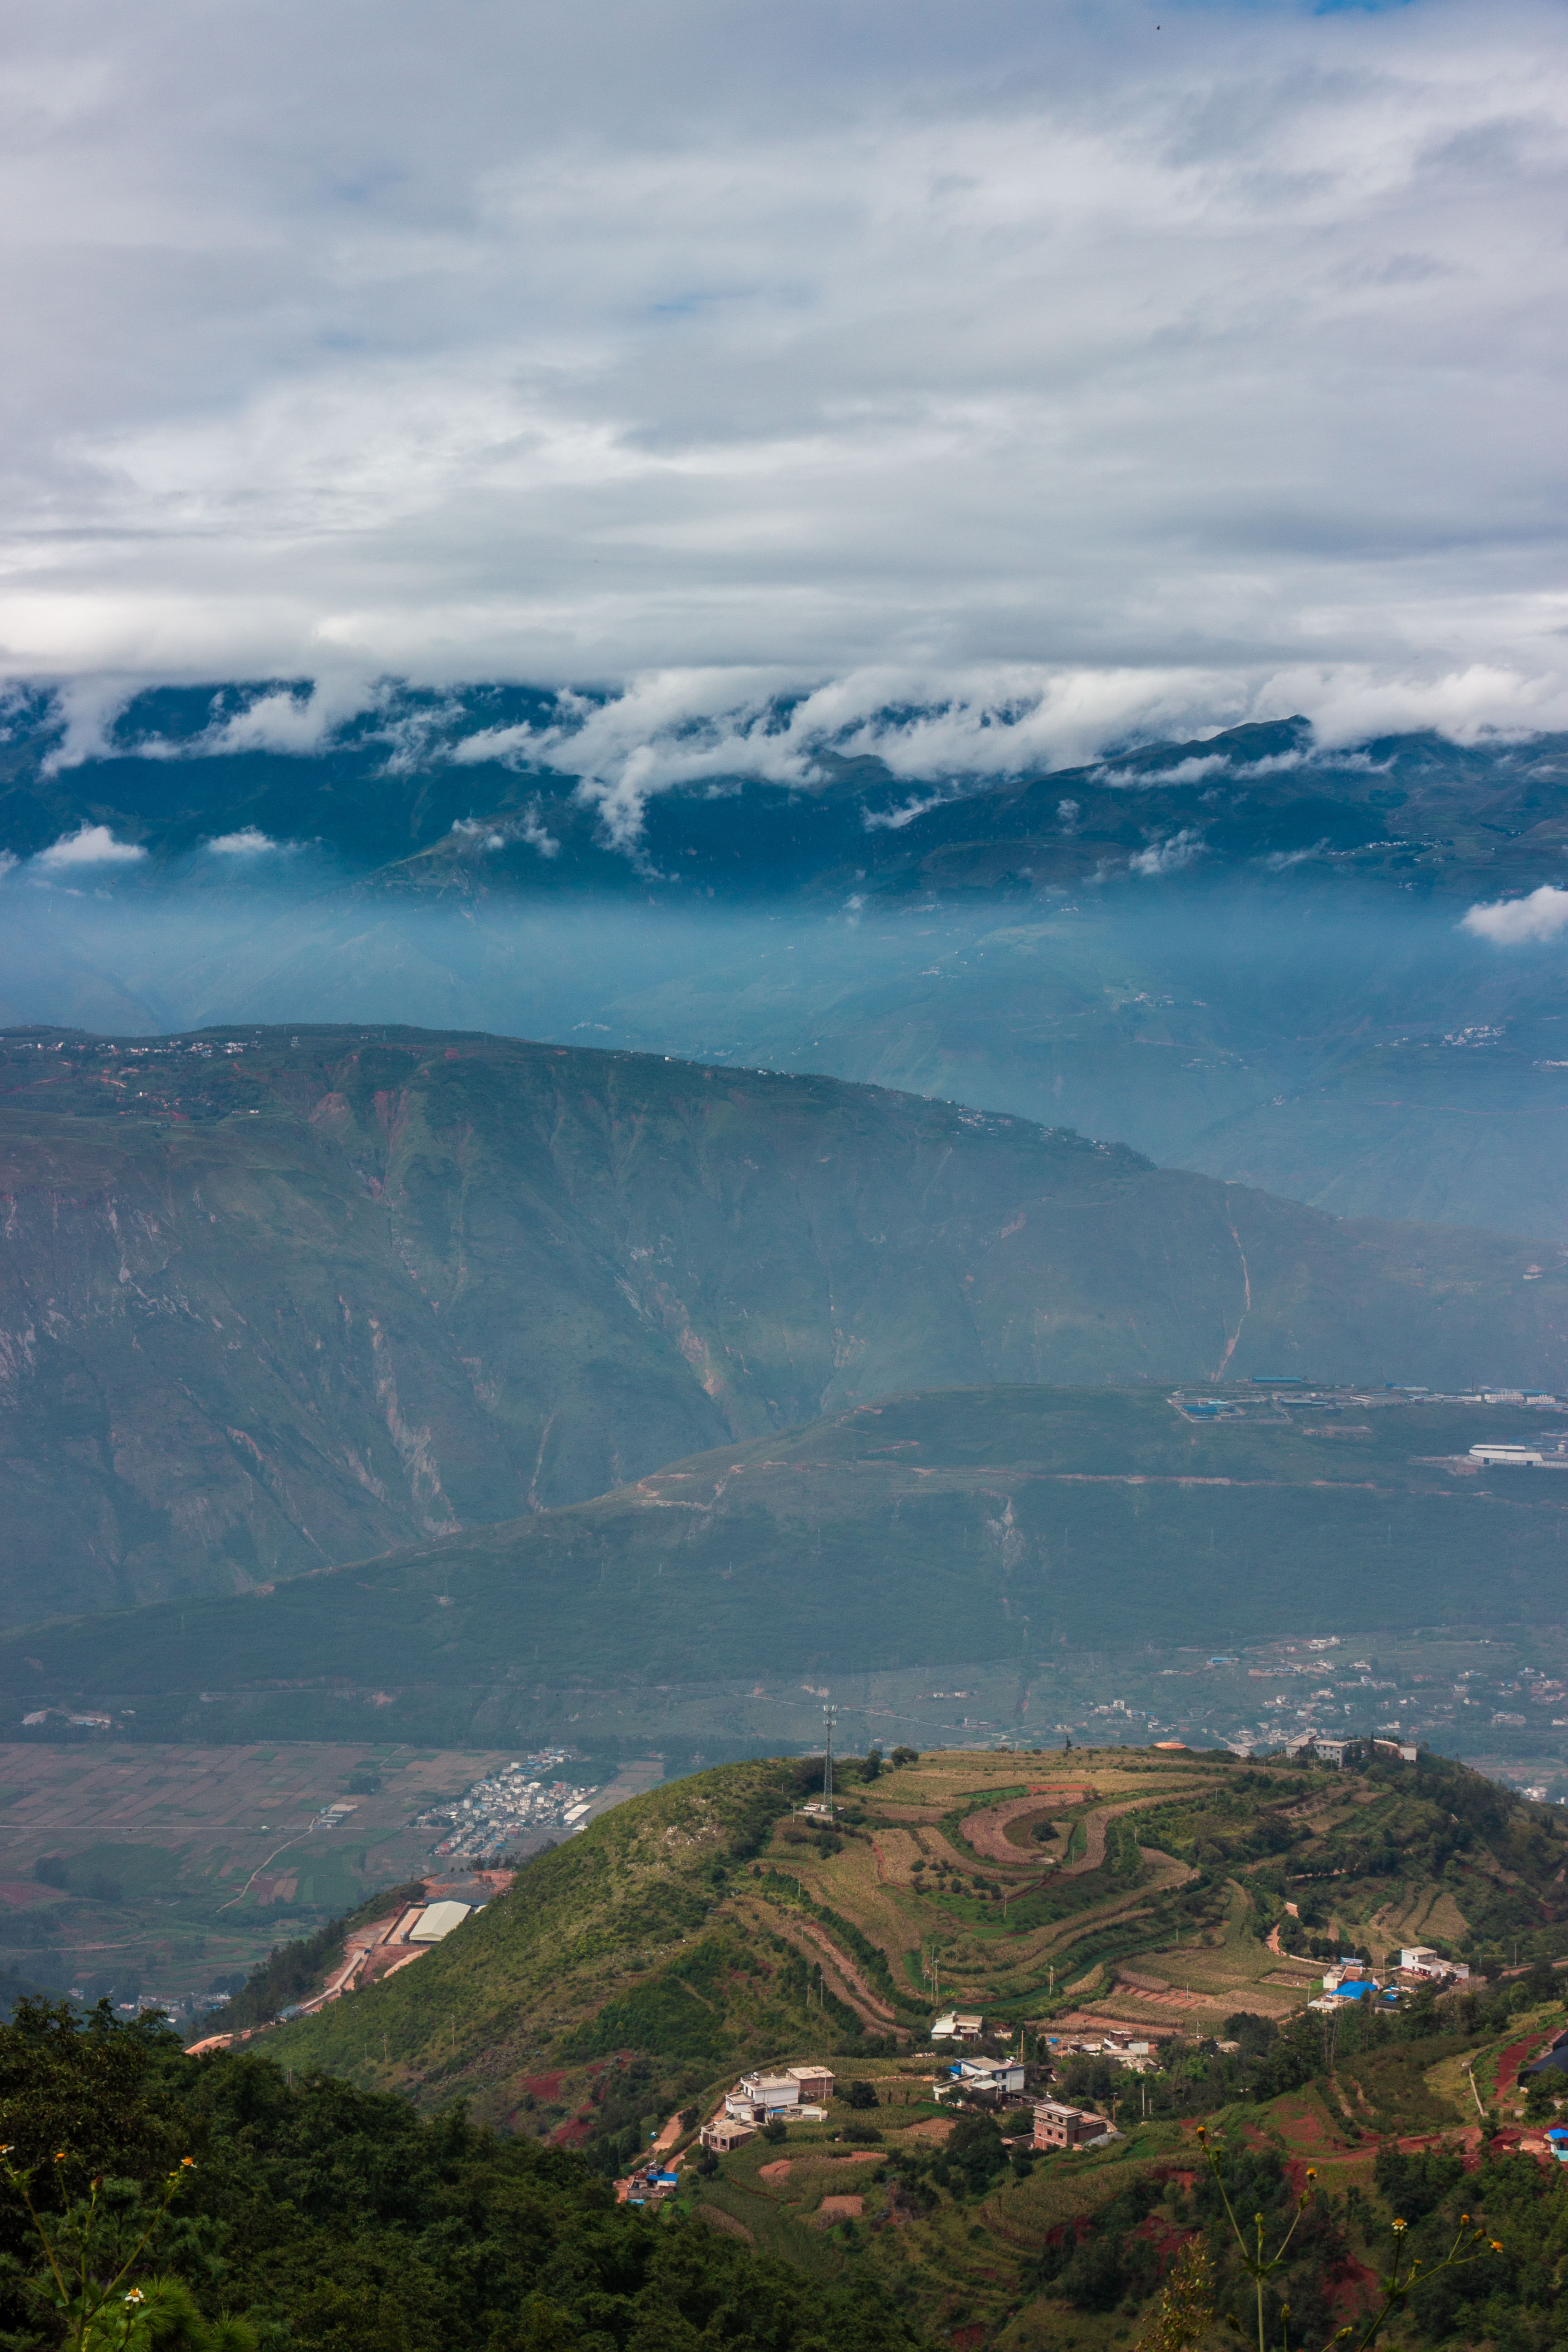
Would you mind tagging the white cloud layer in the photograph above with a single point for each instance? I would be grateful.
(1518, 923)
(1082, 378)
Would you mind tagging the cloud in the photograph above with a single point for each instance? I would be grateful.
(894, 820)
(674, 729)
(285, 718)
(249, 842)
(1168, 857)
(86, 709)
(480, 833)
(90, 845)
(720, 341)
(1514, 922)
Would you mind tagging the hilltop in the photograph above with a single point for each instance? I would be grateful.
(627, 1978)
(966, 1524)
(276, 1299)
(708, 1924)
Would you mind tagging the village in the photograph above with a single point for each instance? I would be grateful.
(974, 2072)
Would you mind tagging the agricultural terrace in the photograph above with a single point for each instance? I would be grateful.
(1149, 1888)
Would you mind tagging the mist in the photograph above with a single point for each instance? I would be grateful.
(1372, 1060)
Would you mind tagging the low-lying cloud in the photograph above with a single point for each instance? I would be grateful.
(1518, 923)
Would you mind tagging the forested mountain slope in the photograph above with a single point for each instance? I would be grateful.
(276, 1299)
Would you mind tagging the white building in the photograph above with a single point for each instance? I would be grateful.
(1420, 1961)
(957, 2025)
(759, 2098)
(437, 1921)
(1004, 2075)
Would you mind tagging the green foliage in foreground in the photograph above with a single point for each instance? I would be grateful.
(327, 2218)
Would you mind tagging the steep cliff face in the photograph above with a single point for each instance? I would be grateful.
(282, 1299)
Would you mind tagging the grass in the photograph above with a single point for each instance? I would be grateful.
(772, 2227)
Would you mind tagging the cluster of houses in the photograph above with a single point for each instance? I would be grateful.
(1137, 2052)
(1349, 1981)
(800, 2093)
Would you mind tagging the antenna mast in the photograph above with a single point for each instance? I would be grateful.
(827, 1714)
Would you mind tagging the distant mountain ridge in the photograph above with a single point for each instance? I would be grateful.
(275, 1299)
(997, 1522)
(440, 793)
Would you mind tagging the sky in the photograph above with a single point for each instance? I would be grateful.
(1109, 369)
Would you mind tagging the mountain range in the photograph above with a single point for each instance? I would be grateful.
(492, 787)
(274, 1301)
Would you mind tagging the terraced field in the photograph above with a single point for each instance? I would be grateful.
(1139, 1887)
(936, 1877)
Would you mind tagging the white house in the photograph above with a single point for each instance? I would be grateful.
(1420, 1961)
(1004, 2075)
(757, 2098)
(957, 2025)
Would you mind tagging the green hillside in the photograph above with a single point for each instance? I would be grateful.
(426, 2164)
(273, 1301)
(708, 1926)
(983, 1523)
